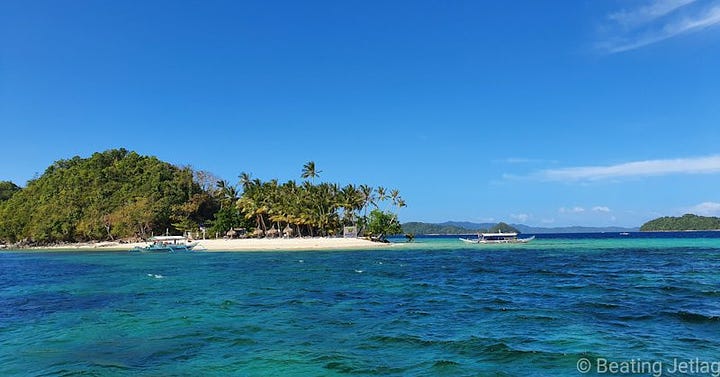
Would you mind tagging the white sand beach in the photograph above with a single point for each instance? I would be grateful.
(263, 244)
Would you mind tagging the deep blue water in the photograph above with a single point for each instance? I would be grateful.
(437, 307)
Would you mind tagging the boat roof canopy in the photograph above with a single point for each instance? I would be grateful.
(499, 234)
(167, 238)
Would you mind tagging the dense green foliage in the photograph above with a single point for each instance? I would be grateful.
(425, 228)
(686, 222)
(309, 209)
(381, 224)
(114, 194)
(119, 194)
(7, 190)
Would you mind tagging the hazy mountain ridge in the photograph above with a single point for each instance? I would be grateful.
(467, 227)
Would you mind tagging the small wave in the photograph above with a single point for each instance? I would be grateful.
(602, 305)
(695, 317)
(445, 364)
(156, 276)
(671, 288)
(243, 342)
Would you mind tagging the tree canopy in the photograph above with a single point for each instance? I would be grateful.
(7, 190)
(113, 194)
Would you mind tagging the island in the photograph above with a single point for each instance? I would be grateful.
(121, 197)
(686, 222)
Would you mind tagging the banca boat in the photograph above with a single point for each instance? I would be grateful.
(167, 244)
(497, 238)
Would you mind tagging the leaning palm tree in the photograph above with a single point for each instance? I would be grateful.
(309, 171)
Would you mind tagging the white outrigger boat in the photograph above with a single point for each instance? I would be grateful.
(167, 244)
(499, 237)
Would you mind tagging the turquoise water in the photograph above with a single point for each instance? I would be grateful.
(436, 307)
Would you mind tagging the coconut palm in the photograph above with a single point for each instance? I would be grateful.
(368, 198)
(396, 199)
(309, 171)
(225, 193)
(245, 180)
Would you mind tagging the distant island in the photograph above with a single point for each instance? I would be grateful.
(465, 227)
(449, 228)
(682, 223)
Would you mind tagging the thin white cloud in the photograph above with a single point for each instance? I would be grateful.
(657, 21)
(522, 217)
(700, 165)
(706, 209)
(575, 209)
(648, 12)
(601, 209)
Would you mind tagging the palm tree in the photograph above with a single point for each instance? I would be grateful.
(309, 171)
(245, 180)
(381, 195)
(367, 195)
(396, 199)
(225, 193)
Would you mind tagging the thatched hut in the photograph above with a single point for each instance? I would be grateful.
(231, 233)
(258, 233)
(272, 232)
(288, 231)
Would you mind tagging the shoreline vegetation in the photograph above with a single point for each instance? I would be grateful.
(120, 197)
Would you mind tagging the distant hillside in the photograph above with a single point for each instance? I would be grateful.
(466, 227)
(573, 229)
(425, 228)
(451, 227)
(686, 222)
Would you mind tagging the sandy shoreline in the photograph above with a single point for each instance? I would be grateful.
(264, 244)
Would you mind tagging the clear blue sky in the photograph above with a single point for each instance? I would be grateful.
(544, 113)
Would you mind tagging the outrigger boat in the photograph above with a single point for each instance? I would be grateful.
(167, 244)
(499, 237)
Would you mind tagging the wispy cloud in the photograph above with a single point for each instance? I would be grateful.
(700, 165)
(656, 21)
(601, 209)
(575, 209)
(706, 209)
(522, 217)
(648, 12)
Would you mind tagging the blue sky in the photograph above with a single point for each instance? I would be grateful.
(544, 113)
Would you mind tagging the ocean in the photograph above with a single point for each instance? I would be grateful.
(561, 305)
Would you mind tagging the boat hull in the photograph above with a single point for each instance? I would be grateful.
(495, 242)
(159, 248)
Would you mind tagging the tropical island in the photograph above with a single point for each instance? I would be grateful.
(686, 222)
(121, 196)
